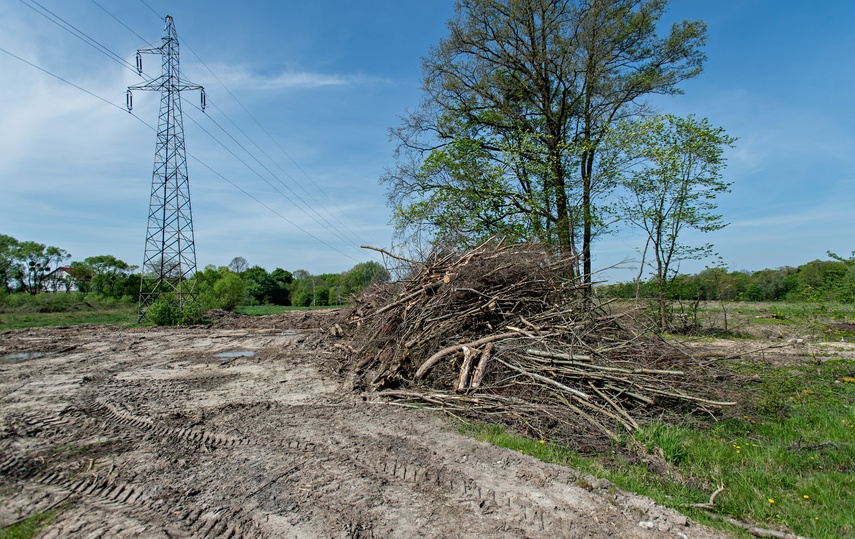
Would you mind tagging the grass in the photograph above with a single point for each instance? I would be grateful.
(30, 527)
(788, 463)
(118, 314)
(825, 321)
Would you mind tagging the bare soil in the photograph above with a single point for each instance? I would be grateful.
(144, 432)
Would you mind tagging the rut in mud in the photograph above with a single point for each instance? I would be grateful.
(146, 432)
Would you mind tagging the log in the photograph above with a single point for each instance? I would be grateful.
(462, 383)
(434, 359)
(481, 369)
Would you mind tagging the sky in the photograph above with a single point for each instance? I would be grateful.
(311, 89)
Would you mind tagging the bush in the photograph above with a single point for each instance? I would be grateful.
(163, 312)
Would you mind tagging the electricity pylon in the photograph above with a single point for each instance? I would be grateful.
(170, 251)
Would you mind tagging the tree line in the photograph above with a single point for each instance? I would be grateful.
(31, 268)
(820, 280)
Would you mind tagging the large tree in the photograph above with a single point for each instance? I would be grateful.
(671, 185)
(516, 101)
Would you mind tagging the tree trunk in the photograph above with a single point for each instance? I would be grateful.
(587, 215)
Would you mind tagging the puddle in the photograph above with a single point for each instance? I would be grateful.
(288, 332)
(232, 355)
(21, 356)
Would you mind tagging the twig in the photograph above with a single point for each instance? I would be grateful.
(387, 253)
(557, 355)
(710, 504)
(614, 405)
(406, 298)
(689, 397)
(754, 530)
(546, 379)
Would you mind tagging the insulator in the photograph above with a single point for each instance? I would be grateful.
(204, 99)
(139, 63)
(129, 100)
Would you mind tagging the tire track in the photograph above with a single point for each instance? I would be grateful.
(189, 434)
(117, 495)
(462, 489)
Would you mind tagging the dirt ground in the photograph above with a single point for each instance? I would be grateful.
(145, 432)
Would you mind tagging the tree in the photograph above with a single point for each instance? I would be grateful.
(81, 275)
(32, 263)
(229, 291)
(258, 284)
(8, 252)
(238, 264)
(671, 186)
(108, 274)
(361, 276)
(517, 99)
(280, 294)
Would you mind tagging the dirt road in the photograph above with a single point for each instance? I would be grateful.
(146, 432)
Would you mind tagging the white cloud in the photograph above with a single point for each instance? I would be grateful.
(243, 77)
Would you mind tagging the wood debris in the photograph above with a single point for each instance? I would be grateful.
(505, 333)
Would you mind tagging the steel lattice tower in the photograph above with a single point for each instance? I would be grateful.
(170, 251)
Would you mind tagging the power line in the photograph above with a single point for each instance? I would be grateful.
(275, 142)
(241, 131)
(318, 219)
(269, 208)
(79, 34)
(152, 10)
(323, 221)
(67, 82)
(244, 163)
(123, 24)
(124, 110)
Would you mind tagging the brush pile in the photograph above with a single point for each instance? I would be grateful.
(505, 333)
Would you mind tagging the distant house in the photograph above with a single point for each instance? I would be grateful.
(59, 280)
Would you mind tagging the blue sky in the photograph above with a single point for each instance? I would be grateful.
(326, 79)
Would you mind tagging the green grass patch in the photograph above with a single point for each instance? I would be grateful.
(30, 527)
(119, 314)
(787, 462)
(19, 311)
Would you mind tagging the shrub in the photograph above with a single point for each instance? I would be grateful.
(163, 312)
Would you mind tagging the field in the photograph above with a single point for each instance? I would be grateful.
(145, 432)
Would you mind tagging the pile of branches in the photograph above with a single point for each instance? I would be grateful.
(506, 333)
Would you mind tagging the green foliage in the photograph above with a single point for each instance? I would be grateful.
(163, 312)
(361, 276)
(8, 250)
(816, 281)
(219, 288)
(671, 178)
(229, 291)
(517, 99)
(59, 309)
(263, 288)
